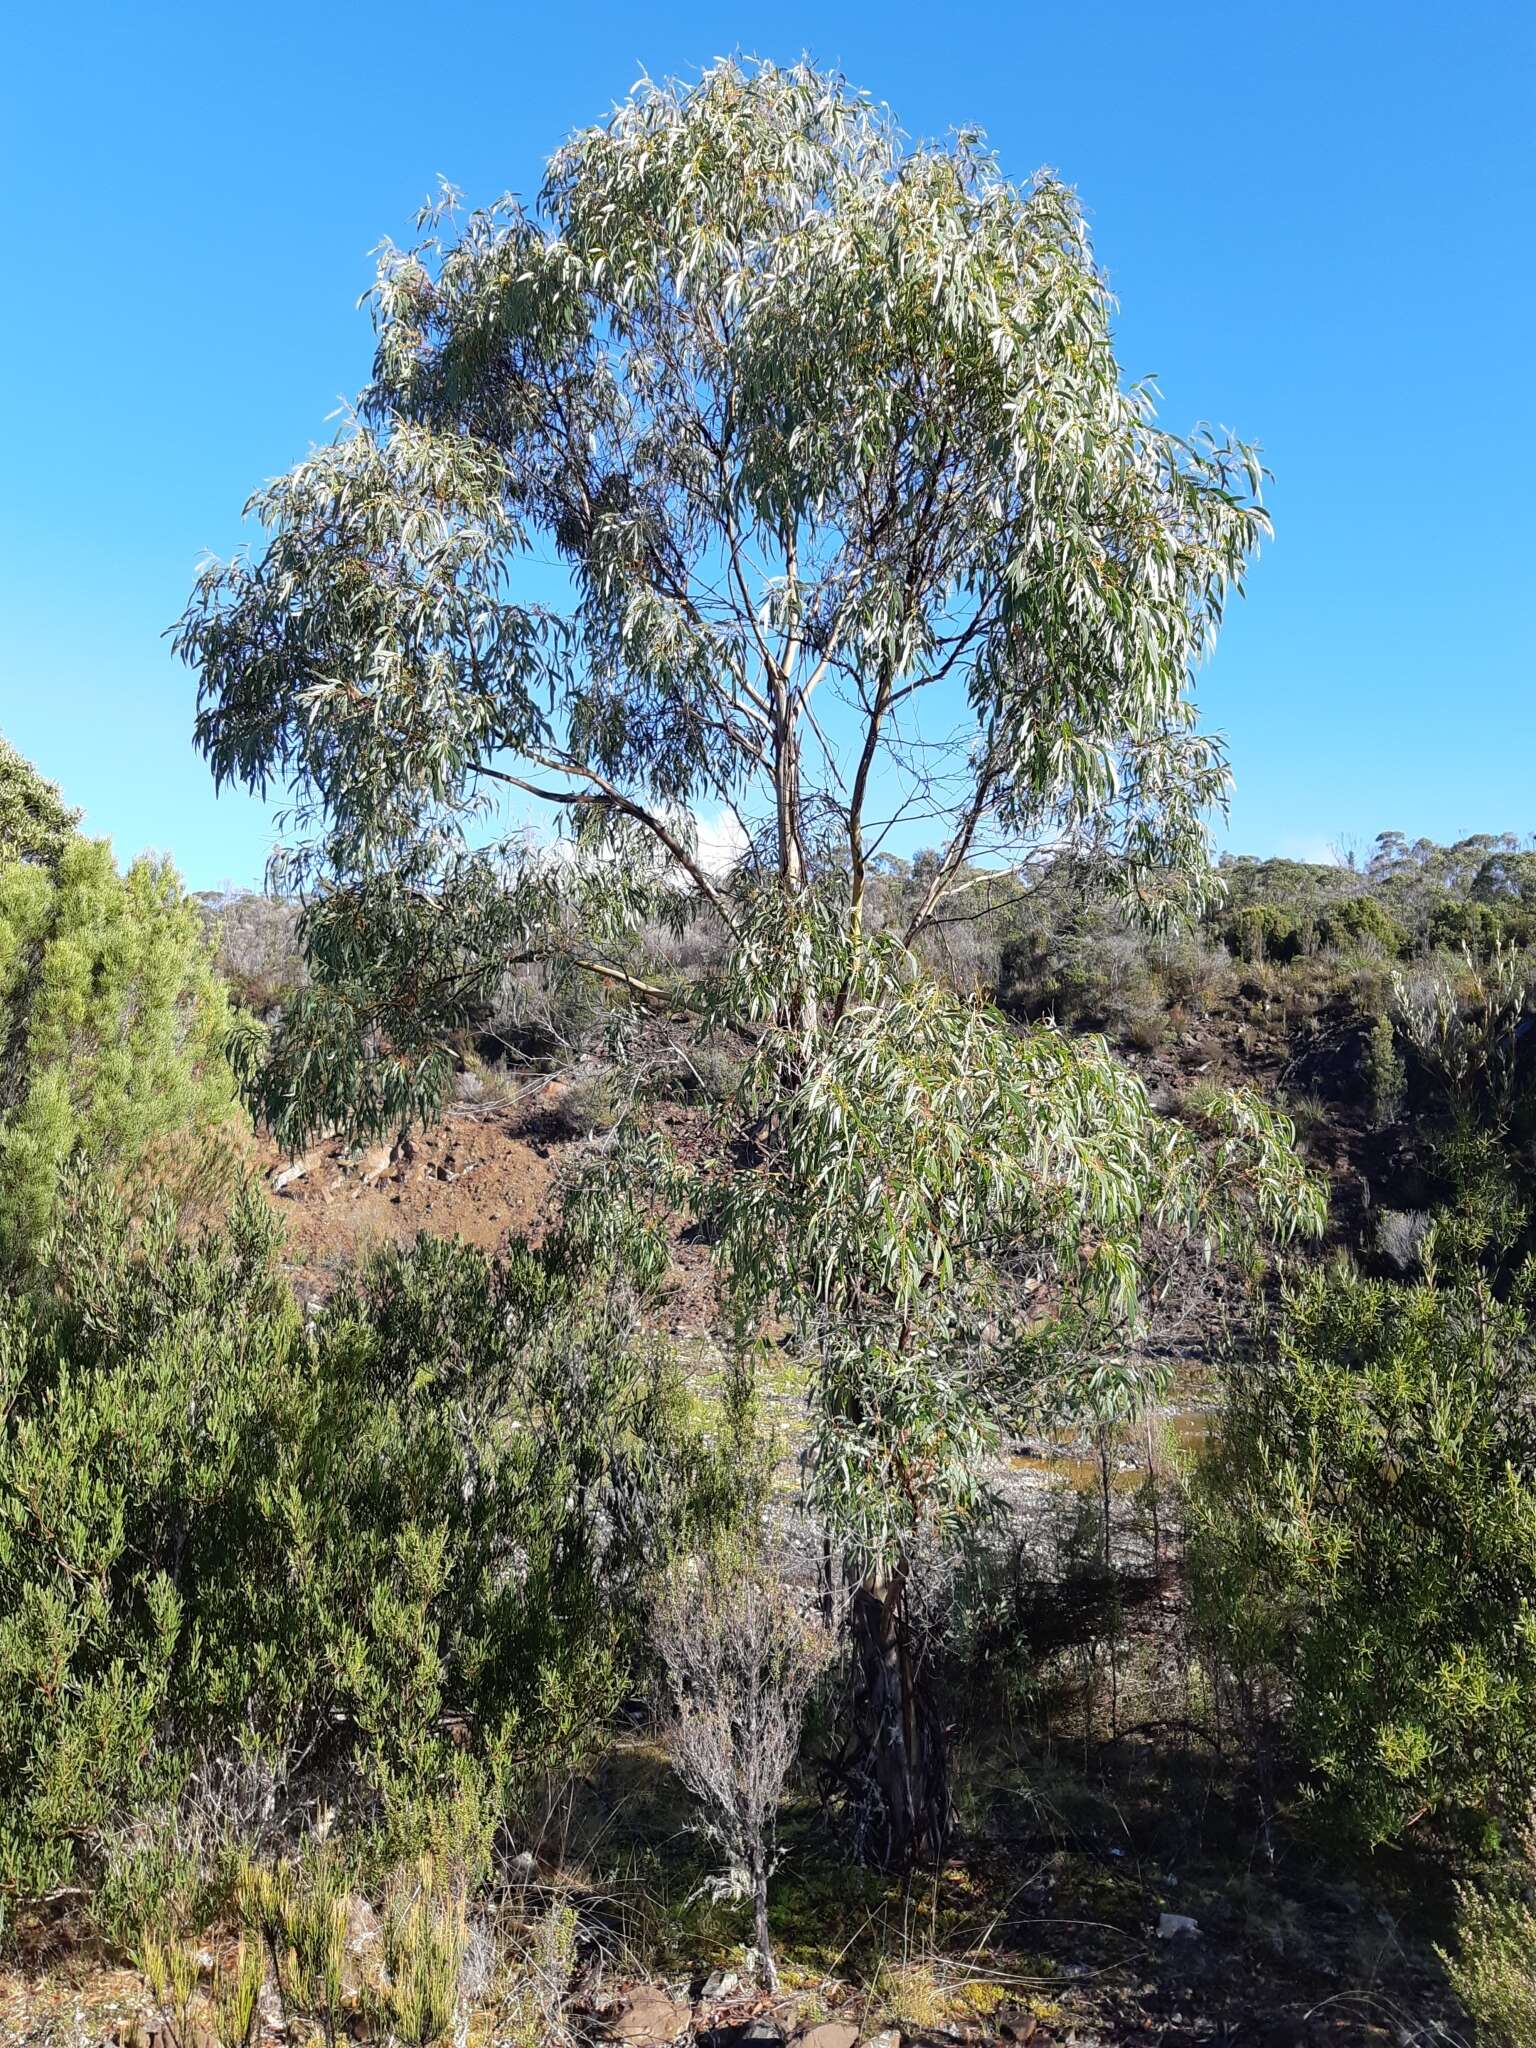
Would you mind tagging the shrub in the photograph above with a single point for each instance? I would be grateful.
(1196, 975)
(426, 1941)
(1284, 932)
(742, 1651)
(115, 1024)
(1465, 1031)
(1460, 926)
(1146, 1027)
(1493, 1971)
(591, 1104)
(1363, 1543)
(410, 1542)
(1361, 921)
(1400, 1236)
(35, 822)
(1264, 931)
(715, 1071)
(1386, 1077)
(1309, 1113)
(1093, 973)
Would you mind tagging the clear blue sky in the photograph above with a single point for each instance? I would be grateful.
(1318, 218)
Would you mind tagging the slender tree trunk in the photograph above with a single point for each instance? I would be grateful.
(786, 789)
(1105, 1488)
(1154, 1482)
(767, 1970)
(900, 1732)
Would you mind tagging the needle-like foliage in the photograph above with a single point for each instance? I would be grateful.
(113, 1024)
(35, 822)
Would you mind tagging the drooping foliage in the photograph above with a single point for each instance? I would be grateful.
(402, 1547)
(114, 1025)
(936, 1195)
(861, 526)
(945, 1211)
(829, 431)
(859, 521)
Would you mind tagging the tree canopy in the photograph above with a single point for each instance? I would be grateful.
(860, 533)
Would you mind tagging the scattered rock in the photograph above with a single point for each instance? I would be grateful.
(762, 2032)
(830, 2034)
(651, 2019)
(1170, 1925)
(362, 1924)
(719, 1984)
(374, 1164)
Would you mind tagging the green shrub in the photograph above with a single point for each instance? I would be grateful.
(35, 822)
(408, 1542)
(1264, 931)
(1284, 932)
(1094, 972)
(1361, 921)
(1363, 1544)
(1386, 1076)
(1462, 927)
(1465, 1029)
(114, 1022)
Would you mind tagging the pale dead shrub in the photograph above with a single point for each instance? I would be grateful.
(742, 1652)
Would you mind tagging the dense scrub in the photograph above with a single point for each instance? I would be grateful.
(1364, 1546)
(396, 1562)
(114, 1024)
(391, 1560)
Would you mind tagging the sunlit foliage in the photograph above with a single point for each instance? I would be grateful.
(114, 1024)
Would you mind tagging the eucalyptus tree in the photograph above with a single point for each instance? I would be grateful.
(769, 467)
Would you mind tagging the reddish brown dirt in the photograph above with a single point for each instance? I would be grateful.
(485, 1173)
(482, 1174)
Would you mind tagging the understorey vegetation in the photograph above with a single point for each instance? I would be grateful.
(393, 1558)
(999, 1489)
